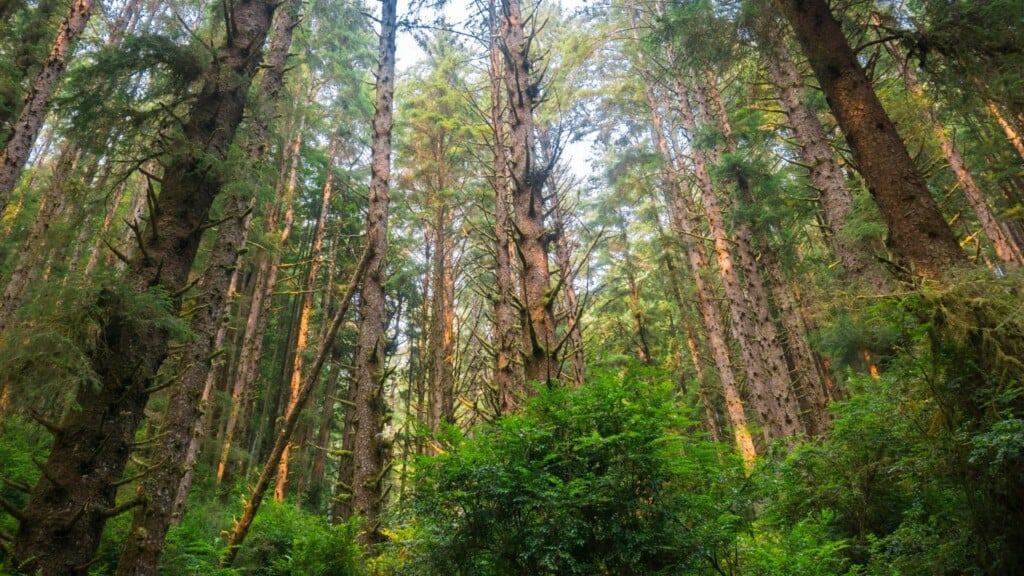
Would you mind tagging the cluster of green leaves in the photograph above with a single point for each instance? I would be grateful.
(924, 467)
(602, 479)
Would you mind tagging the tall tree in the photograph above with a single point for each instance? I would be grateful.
(532, 239)
(23, 135)
(369, 451)
(61, 526)
(917, 230)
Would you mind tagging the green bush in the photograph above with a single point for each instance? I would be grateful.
(595, 480)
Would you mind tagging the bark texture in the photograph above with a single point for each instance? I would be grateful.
(370, 451)
(816, 153)
(917, 230)
(72, 501)
(506, 390)
(37, 101)
(532, 239)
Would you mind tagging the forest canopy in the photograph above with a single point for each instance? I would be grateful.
(512, 287)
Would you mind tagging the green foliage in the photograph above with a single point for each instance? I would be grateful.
(924, 467)
(286, 540)
(594, 480)
(20, 443)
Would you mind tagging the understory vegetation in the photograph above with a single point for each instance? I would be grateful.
(512, 288)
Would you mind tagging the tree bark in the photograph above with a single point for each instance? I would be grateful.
(532, 239)
(37, 101)
(71, 502)
(35, 247)
(817, 155)
(504, 337)
(441, 341)
(306, 310)
(370, 451)
(683, 222)
(917, 230)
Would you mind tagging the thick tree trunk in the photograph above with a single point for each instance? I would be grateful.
(33, 113)
(159, 489)
(504, 338)
(71, 502)
(370, 451)
(540, 344)
(917, 230)
(817, 155)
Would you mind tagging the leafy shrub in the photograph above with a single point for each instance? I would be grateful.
(595, 480)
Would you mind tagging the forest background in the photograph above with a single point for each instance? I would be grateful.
(275, 305)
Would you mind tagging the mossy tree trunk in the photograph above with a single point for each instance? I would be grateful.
(69, 506)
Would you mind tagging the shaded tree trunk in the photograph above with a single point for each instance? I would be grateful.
(504, 336)
(35, 247)
(817, 155)
(61, 526)
(917, 230)
(370, 451)
(306, 310)
(684, 224)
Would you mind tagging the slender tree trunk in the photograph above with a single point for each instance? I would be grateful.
(319, 467)
(917, 229)
(1008, 129)
(306, 311)
(684, 224)
(259, 308)
(159, 489)
(35, 247)
(37, 102)
(1004, 248)
(291, 419)
(442, 323)
(61, 526)
(767, 375)
(563, 259)
(805, 385)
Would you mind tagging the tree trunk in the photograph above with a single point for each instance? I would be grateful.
(752, 326)
(259, 308)
(370, 449)
(532, 240)
(563, 259)
(71, 502)
(817, 155)
(159, 489)
(1005, 250)
(35, 247)
(33, 113)
(442, 319)
(917, 230)
(684, 224)
(306, 311)
(291, 419)
(504, 337)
